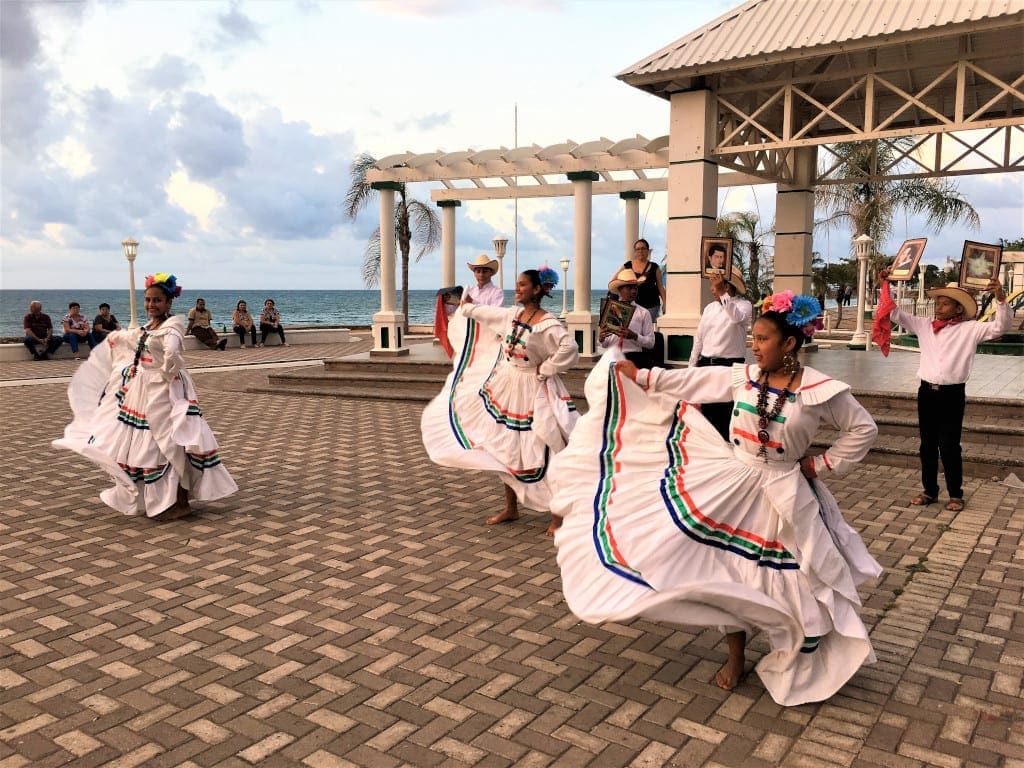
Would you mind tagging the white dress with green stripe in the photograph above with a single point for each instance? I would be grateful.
(495, 412)
(145, 427)
(664, 520)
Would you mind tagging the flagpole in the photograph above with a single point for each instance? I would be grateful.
(515, 184)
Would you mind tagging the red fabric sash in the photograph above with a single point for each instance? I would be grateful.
(881, 327)
(441, 327)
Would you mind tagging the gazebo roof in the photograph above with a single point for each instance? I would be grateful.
(768, 32)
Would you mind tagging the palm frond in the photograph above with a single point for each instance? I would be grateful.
(371, 260)
(425, 225)
(359, 191)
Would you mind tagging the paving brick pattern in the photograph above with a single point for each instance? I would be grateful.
(348, 608)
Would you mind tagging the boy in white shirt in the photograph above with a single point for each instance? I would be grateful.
(948, 345)
(721, 338)
(485, 292)
(636, 340)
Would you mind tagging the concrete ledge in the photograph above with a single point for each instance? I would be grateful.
(16, 352)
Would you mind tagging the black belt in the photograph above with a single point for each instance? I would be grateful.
(940, 387)
(702, 361)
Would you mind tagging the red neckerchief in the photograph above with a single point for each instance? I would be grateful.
(938, 325)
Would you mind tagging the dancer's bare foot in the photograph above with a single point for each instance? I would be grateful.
(511, 511)
(554, 525)
(728, 677)
(506, 516)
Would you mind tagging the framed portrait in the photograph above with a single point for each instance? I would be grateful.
(715, 256)
(907, 259)
(979, 265)
(616, 314)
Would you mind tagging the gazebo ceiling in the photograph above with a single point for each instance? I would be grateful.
(789, 73)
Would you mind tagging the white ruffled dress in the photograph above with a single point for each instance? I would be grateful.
(144, 427)
(501, 412)
(664, 520)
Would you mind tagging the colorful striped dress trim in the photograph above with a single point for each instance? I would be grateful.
(134, 419)
(702, 528)
(146, 474)
(465, 360)
(608, 552)
(203, 461)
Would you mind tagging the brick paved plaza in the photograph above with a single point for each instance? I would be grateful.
(349, 608)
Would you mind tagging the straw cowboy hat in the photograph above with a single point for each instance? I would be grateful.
(736, 281)
(624, 277)
(959, 295)
(483, 261)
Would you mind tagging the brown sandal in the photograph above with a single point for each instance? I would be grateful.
(955, 505)
(922, 500)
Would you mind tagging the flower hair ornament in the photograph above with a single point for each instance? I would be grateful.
(548, 279)
(166, 281)
(803, 312)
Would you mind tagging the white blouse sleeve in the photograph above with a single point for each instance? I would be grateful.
(565, 355)
(174, 359)
(494, 318)
(712, 384)
(857, 432)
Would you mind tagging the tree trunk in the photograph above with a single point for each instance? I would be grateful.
(404, 244)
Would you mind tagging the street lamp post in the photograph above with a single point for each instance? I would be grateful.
(500, 244)
(565, 287)
(862, 244)
(131, 250)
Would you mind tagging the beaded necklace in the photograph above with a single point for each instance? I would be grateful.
(765, 417)
(519, 329)
(141, 347)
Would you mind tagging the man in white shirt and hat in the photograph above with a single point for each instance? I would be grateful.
(721, 338)
(948, 344)
(485, 292)
(636, 340)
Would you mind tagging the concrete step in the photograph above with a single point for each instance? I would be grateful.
(993, 408)
(980, 460)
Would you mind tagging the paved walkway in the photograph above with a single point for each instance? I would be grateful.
(348, 608)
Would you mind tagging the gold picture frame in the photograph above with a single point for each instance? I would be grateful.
(907, 259)
(979, 265)
(716, 256)
(615, 315)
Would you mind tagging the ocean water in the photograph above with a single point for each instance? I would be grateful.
(308, 308)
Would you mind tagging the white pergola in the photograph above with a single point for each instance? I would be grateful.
(760, 95)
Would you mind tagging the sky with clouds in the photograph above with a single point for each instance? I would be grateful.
(220, 134)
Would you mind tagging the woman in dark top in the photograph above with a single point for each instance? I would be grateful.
(651, 293)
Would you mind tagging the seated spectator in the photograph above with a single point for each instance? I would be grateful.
(104, 323)
(199, 318)
(243, 324)
(270, 322)
(39, 330)
(77, 328)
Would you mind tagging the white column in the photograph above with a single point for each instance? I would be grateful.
(582, 324)
(632, 221)
(794, 225)
(448, 241)
(388, 323)
(863, 245)
(692, 211)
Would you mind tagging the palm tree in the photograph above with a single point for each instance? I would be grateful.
(869, 206)
(414, 221)
(749, 247)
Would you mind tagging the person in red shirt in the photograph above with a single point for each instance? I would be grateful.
(39, 330)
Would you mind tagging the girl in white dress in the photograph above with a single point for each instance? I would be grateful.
(664, 520)
(136, 415)
(504, 407)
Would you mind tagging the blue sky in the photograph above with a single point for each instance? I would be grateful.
(220, 134)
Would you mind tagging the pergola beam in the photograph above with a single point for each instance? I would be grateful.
(565, 190)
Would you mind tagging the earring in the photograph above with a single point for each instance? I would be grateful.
(789, 363)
